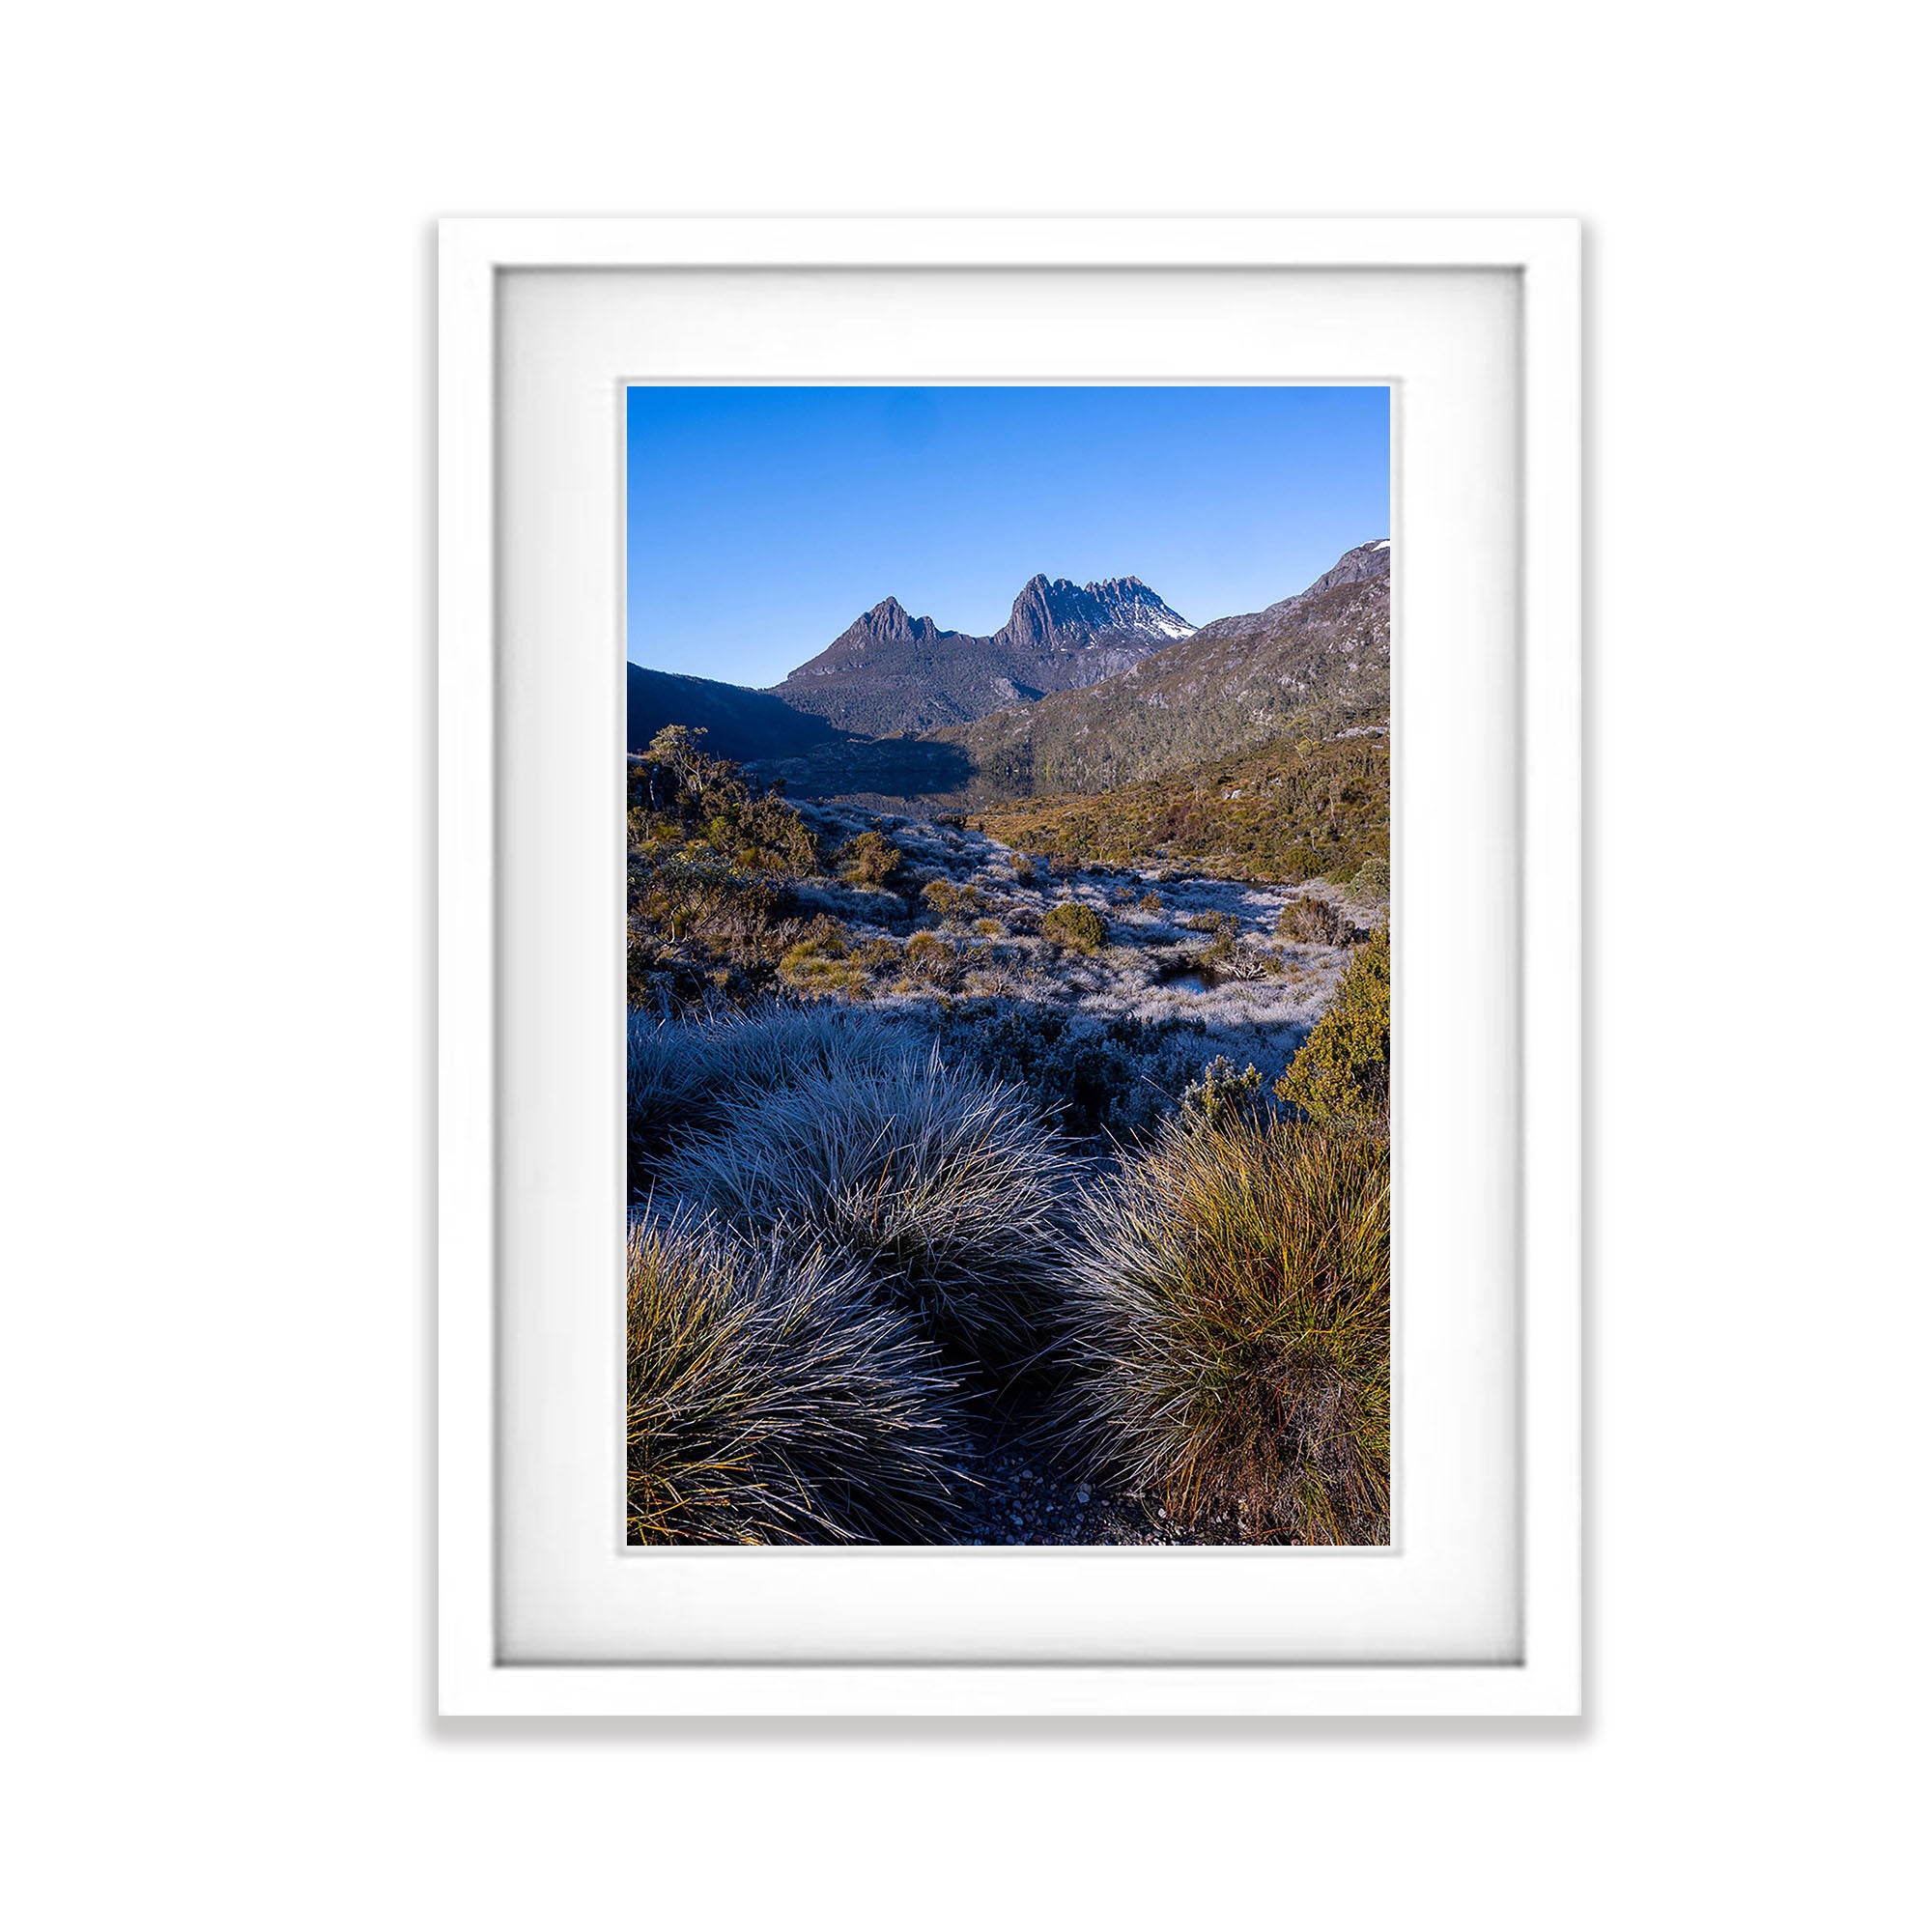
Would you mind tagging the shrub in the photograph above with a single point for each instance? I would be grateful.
(689, 914)
(1342, 1072)
(1151, 903)
(773, 1399)
(1219, 1092)
(714, 862)
(1231, 1327)
(1313, 922)
(1371, 883)
(686, 1078)
(948, 1186)
(1246, 960)
(872, 859)
(1077, 927)
(943, 896)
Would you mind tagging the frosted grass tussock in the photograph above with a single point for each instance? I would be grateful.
(1230, 1327)
(773, 1398)
(949, 1184)
(686, 1078)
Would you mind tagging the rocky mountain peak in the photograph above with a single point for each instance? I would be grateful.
(1355, 566)
(889, 672)
(1058, 615)
(887, 622)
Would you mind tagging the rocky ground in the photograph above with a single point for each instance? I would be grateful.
(1021, 1498)
(1181, 944)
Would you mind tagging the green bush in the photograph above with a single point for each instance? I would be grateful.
(1342, 1072)
(1230, 1316)
(1219, 1092)
(774, 1398)
(712, 864)
(1371, 883)
(1077, 927)
(870, 860)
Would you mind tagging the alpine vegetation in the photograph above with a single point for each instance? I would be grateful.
(949, 1187)
(1231, 1318)
(774, 1397)
(687, 1079)
(1342, 1072)
(1008, 1016)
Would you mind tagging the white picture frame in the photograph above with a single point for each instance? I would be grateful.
(1543, 1676)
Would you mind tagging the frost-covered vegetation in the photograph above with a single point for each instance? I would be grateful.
(775, 1399)
(923, 1124)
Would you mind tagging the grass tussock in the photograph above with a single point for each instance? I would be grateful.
(773, 1398)
(949, 1186)
(1232, 1318)
(686, 1079)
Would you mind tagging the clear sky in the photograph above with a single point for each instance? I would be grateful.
(762, 521)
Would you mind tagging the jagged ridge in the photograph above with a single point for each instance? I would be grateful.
(891, 673)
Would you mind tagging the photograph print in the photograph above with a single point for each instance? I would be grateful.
(1008, 965)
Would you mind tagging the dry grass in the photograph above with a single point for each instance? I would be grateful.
(775, 1399)
(1232, 1323)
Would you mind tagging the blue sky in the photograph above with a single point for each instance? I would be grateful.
(762, 521)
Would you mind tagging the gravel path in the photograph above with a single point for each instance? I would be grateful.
(1022, 1503)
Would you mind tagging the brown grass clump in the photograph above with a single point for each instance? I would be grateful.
(949, 901)
(774, 1398)
(1230, 1315)
(822, 963)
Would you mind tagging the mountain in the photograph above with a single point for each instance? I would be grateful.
(1357, 566)
(891, 673)
(1309, 667)
(739, 724)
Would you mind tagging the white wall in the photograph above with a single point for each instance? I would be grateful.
(218, 496)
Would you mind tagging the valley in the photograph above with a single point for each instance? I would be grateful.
(1009, 1038)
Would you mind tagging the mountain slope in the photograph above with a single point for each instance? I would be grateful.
(740, 725)
(1310, 665)
(891, 673)
(1287, 812)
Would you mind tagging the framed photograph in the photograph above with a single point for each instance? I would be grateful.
(1011, 967)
